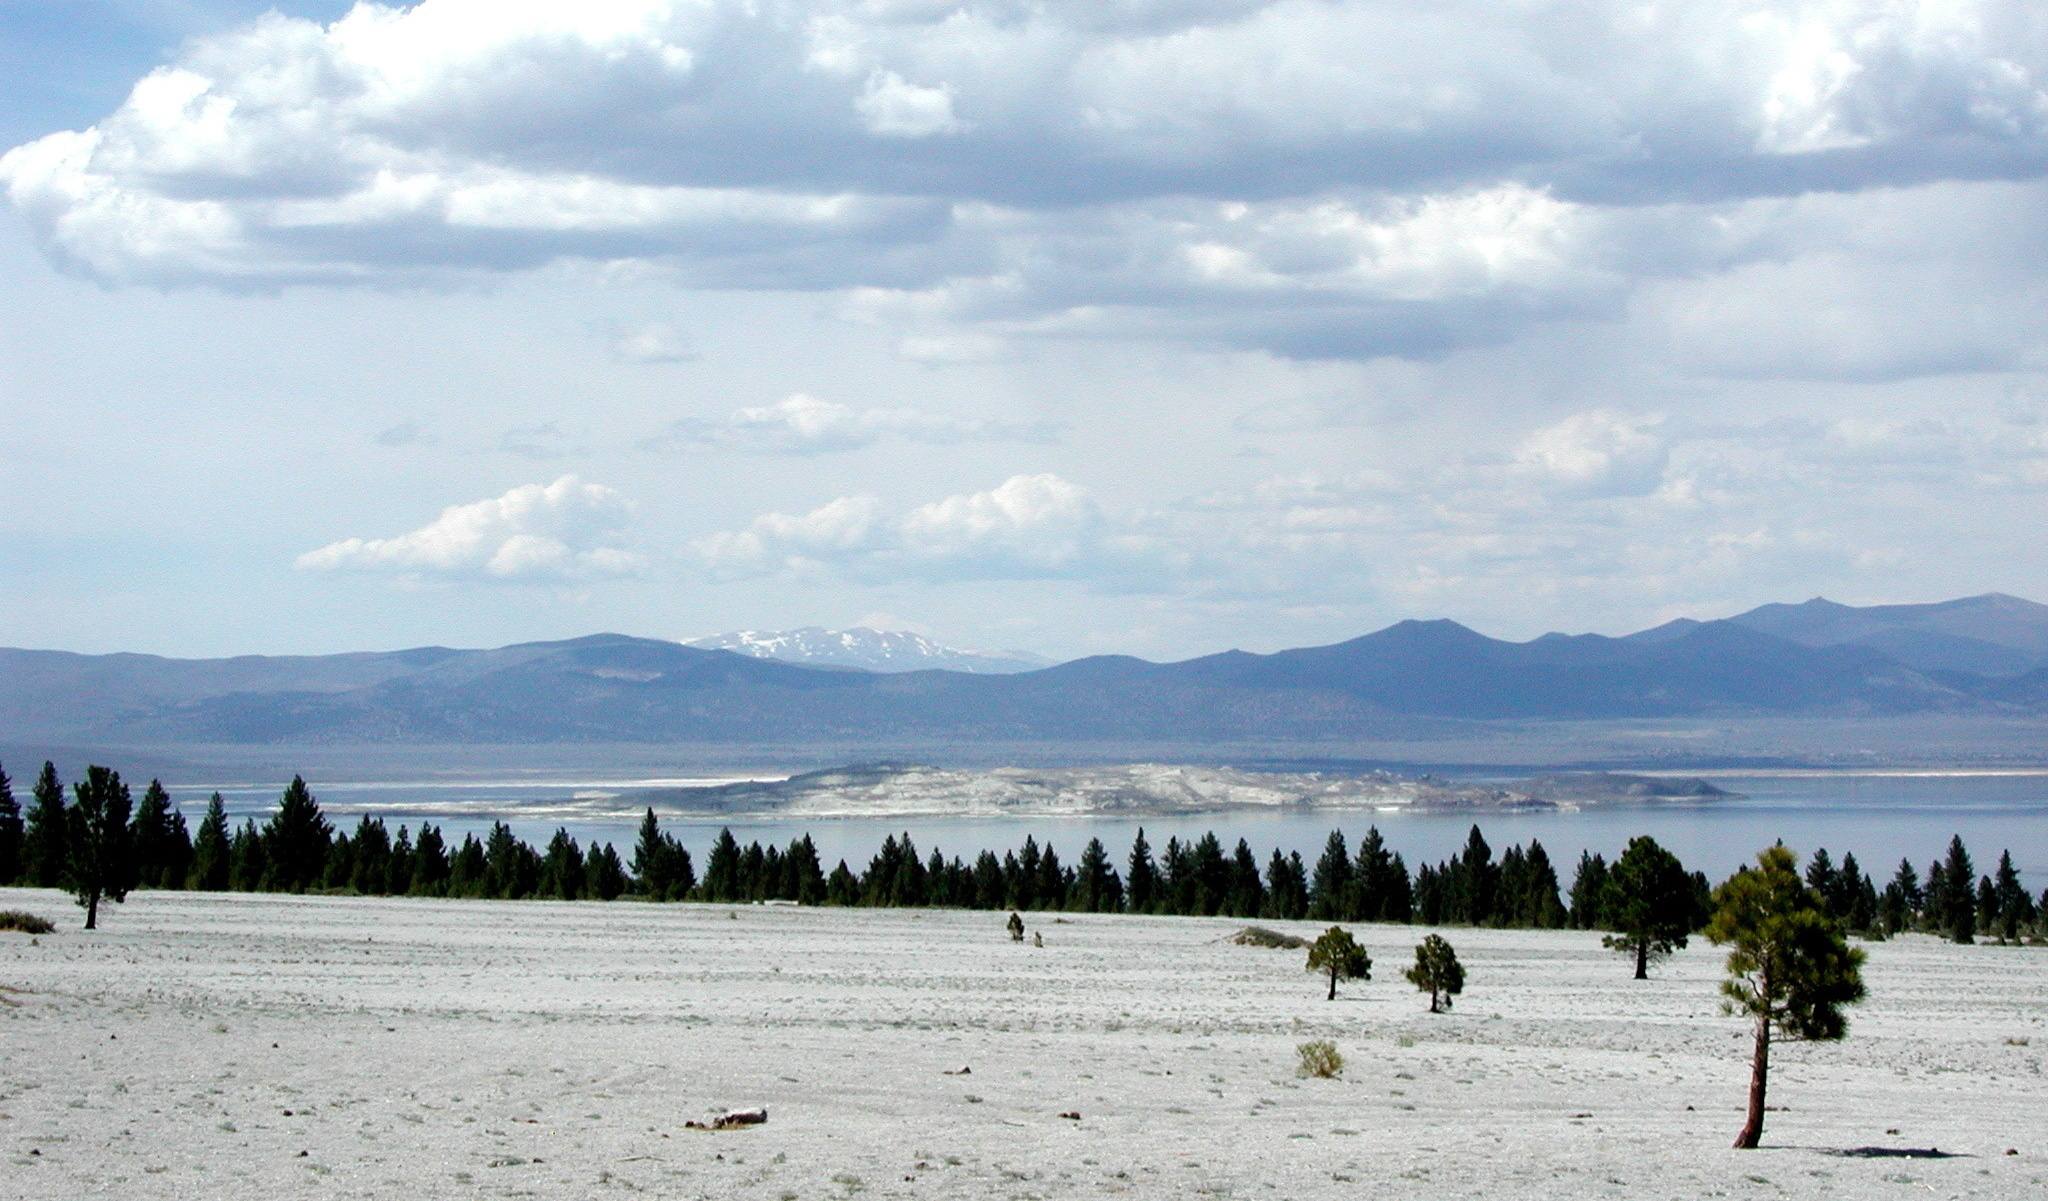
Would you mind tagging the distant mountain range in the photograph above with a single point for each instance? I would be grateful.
(1818, 658)
(866, 649)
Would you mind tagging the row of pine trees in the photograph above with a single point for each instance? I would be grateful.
(101, 842)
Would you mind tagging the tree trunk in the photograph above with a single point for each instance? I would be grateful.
(1433, 995)
(92, 909)
(1333, 986)
(1642, 959)
(1759, 1072)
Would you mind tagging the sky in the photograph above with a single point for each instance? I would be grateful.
(1143, 326)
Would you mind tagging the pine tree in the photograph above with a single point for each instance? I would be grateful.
(430, 866)
(1589, 894)
(403, 862)
(1052, 880)
(988, 881)
(248, 859)
(722, 868)
(1400, 896)
(1329, 890)
(150, 834)
(10, 832)
(842, 887)
(1286, 887)
(1247, 896)
(1371, 880)
(297, 841)
(1176, 878)
(651, 866)
(2015, 907)
(1141, 884)
(605, 872)
(468, 868)
(1650, 904)
(806, 874)
(1211, 873)
(1101, 891)
(370, 871)
(1015, 926)
(561, 873)
(1437, 972)
(1024, 884)
(1540, 906)
(102, 855)
(46, 849)
(1478, 881)
(1337, 955)
(211, 858)
(1958, 912)
(1789, 968)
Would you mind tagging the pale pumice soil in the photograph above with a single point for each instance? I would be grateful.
(233, 1046)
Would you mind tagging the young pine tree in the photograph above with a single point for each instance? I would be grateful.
(102, 853)
(150, 833)
(1337, 955)
(1329, 889)
(1789, 968)
(1437, 972)
(1589, 894)
(2015, 907)
(10, 832)
(604, 872)
(1649, 905)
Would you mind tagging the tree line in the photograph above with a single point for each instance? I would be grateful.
(100, 844)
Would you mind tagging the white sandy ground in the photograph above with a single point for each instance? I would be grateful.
(228, 1046)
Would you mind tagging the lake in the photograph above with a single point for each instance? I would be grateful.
(1879, 816)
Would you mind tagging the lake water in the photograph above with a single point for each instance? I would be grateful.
(1878, 816)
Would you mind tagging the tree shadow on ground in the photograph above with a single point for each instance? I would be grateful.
(1892, 1153)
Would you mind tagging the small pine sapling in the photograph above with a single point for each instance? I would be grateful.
(1789, 968)
(1337, 955)
(1016, 928)
(1437, 972)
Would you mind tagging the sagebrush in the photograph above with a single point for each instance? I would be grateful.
(1319, 1057)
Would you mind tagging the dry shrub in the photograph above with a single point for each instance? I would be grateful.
(1319, 1057)
(27, 923)
(1259, 936)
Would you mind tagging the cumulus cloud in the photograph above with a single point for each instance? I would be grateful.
(651, 342)
(1597, 453)
(804, 425)
(564, 531)
(1321, 178)
(1028, 527)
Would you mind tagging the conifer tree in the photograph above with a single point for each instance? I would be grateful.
(1247, 897)
(1141, 885)
(149, 832)
(1329, 890)
(1650, 904)
(1899, 907)
(561, 873)
(1210, 876)
(297, 841)
(1176, 878)
(46, 848)
(248, 858)
(1437, 972)
(988, 881)
(1370, 878)
(2015, 907)
(1589, 892)
(1052, 880)
(1958, 911)
(605, 872)
(1399, 905)
(102, 854)
(1477, 882)
(1286, 886)
(370, 869)
(1101, 891)
(211, 859)
(1987, 915)
(1015, 926)
(467, 868)
(1789, 969)
(1540, 906)
(722, 868)
(10, 832)
(430, 865)
(1024, 882)
(398, 873)
(806, 874)
(842, 887)
(1337, 955)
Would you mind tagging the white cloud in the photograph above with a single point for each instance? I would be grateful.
(803, 424)
(564, 531)
(1028, 527)
(1597, 453)
(651, 342)
(1321, 178)
(892, 107)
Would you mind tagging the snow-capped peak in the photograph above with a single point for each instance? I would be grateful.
(868, 649)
